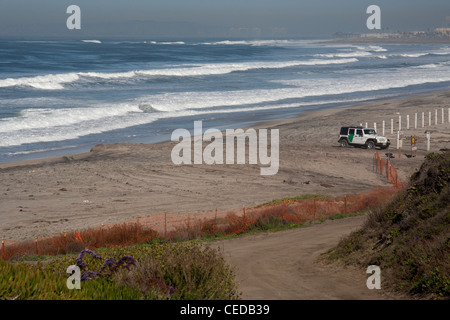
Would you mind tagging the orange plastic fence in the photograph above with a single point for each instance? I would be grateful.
(187, 226)
(385, 168)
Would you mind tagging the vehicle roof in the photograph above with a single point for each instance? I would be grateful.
(356, 127)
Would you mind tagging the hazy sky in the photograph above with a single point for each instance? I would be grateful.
(215, 18)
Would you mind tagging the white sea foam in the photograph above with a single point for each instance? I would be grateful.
(440, 52)
(428, 66)
(66, 124)
(56, 81)
(166, 42)
(39, 118)
(409, 55)
(45, 82)
(375, 80)
(39, 150)
(371, 48)
(256, 43)
(351, 83)
(214, 69)
(42, 125)
(355, 54)
(91, 41)
(94, 125)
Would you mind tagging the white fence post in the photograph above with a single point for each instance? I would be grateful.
(423, 119)
(399, 123)
(407, 121)
(392, 126)
(429, 119)
(384, 125)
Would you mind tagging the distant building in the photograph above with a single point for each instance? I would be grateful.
(443, 31)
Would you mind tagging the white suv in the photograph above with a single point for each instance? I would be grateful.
(359, 136)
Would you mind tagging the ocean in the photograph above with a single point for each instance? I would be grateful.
(65, 96)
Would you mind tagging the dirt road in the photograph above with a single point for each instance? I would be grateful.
(283, 266)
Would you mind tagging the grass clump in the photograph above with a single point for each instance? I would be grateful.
(185, 270)
(291, 199)
(409, 236)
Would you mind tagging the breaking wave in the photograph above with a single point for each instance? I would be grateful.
(56, 81)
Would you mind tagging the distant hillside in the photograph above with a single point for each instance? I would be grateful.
(409, 237)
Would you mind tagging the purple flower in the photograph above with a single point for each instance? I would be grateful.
(80, 263)
(109, 264)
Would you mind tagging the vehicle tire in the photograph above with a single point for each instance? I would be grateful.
(343, 143)
(370, 145)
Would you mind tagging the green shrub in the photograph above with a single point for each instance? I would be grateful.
(181, 271)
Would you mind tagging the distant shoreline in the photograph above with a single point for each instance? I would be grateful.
(389, 40)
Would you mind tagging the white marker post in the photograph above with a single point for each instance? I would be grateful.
(375, 126)
(399, 143)
(399, 123)
(415, 120)
(384, 126)
(442, 115)
(423, 119)
(428, 140)
(392, 126)
(407, 121)
(398, 140)
(429, 119)
(435, 117)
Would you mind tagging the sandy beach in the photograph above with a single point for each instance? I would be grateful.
(115, 183)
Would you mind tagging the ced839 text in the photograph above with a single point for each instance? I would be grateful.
(242, 309)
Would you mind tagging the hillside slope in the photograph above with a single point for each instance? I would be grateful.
(409, 237)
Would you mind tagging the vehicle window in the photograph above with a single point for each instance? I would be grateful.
(359, 132)
(369, 131)
(351, 131)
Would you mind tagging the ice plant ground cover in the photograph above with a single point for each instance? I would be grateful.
(177, 270)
